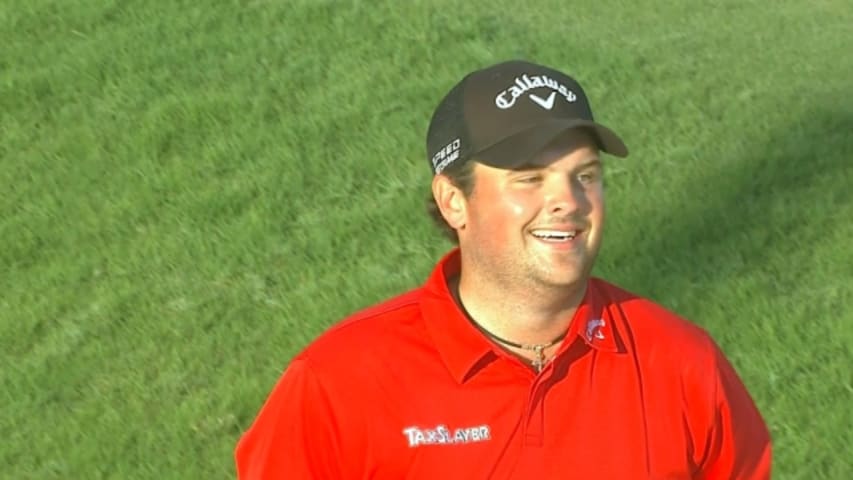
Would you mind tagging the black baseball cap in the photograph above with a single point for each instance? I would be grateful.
(504, 114)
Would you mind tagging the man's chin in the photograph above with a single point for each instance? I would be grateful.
(565, 279)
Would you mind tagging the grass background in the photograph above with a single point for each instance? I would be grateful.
(193, 190)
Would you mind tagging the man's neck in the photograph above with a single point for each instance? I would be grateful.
(533, 315)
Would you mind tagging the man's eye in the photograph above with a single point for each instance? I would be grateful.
(587, 177)
(529, 179)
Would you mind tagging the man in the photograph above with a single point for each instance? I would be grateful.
(511, 361)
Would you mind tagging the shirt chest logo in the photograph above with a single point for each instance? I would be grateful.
(442, 435)
(593, 329)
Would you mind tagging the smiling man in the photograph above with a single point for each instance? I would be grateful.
(511, 361)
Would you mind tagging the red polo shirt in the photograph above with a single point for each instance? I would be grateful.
(410, 389)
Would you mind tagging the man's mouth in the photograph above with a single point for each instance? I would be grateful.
(555, 236)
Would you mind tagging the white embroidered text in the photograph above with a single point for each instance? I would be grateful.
(441, 435)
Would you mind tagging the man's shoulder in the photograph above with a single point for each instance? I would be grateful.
(382, 325)
(669, 348)
(649, 321)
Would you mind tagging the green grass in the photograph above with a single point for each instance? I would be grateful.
(193, 190)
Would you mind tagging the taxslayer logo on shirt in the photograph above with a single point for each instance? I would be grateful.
(442, 435)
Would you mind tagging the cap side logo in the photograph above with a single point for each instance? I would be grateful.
(446, 155)
(507, 97)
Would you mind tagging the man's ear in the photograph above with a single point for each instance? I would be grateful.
(451, 201)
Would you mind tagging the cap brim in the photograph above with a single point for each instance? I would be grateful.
(518, 149)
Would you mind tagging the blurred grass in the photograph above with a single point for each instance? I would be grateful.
(194, 190)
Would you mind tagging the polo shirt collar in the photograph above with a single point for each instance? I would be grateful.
(460, 344)
(465, 349)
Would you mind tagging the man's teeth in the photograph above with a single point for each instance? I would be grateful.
(555, 234)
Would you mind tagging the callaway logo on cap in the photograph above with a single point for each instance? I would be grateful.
(504, 114)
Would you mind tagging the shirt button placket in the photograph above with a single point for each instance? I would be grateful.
(534, 419)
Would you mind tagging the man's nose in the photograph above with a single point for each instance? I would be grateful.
(565, 196)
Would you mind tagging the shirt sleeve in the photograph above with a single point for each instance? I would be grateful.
(296, 435)
(737, 444)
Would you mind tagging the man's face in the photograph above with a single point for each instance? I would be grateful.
(540, 223)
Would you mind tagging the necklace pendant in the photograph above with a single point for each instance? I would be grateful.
(539, 361)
